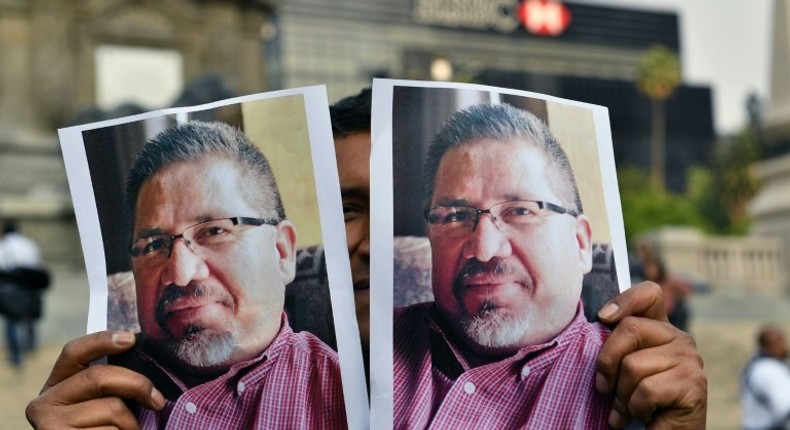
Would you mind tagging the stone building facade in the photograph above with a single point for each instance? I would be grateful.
(48, 73)
(770, 209)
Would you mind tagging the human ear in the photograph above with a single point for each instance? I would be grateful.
(285, 244)
(584, 242)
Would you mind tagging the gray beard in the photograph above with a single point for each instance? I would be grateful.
(494, 328)
(202, 348)
(490, 326)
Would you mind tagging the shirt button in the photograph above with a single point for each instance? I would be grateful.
(241, 387)
(190, 407)
(525, 371)
(469, 388)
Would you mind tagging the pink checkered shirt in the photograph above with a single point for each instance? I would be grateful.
(294, 384)
(546, 386)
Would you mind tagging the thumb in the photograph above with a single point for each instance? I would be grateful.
(641, 300)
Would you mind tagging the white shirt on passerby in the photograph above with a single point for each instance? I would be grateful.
(17, 250)
(765, 394)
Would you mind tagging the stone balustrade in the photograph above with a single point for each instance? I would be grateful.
(724, 263)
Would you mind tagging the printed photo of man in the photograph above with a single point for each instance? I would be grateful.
(504, 342)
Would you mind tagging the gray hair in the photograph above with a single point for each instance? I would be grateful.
(196, 140)
(501, 122)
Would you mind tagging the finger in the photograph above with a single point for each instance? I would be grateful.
(643, 300)
(675, 399)
(108, 412)
(673, 419)
(664, 380)
(618, 417)
(78, 353)
(631, 334)
(640, 382)
(106, 381)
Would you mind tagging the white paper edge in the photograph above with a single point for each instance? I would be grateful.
(381, 261)
(336, 254)
(611, 195)
(382, 223)
(84, 202)
(332, 227)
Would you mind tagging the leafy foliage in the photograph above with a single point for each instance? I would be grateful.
(658, 73)
(716, 198)
(646, 208)
(735, 183)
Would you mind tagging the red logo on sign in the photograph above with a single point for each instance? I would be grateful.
(544, 17)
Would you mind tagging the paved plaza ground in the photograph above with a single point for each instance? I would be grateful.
(724, 326)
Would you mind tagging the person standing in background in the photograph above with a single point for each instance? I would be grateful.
(18, 251)
(765, 383)
(676, 290)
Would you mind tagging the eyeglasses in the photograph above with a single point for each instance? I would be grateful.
(155, 249)
(460, 221)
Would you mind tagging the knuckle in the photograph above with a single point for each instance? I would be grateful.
(629, 364)
(40, 417)
(605, 363)
(688, 350)
(654, 288)
(643, 401)
(630, 325)
(116, 407)
(71, 348)
(32, 412)
(698, 395)
(96, 376)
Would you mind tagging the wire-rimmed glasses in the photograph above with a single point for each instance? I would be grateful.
(154, 249)
(460, 221)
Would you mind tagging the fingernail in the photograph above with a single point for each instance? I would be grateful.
(615, 420)
(157, 398)
(608, 311)
(600, 383)
(122, 338)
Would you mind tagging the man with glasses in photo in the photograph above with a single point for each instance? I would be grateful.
(505, 343)
(211, 253)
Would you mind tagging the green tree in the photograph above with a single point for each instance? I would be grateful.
(646, 208)
(735, 182)
(703, 192)
(658, 75)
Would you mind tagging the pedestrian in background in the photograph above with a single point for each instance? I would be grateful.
(22, 281)
(676, 289)
(765, 383)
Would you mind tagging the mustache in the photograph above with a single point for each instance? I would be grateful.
(494, 267)
(174, 292)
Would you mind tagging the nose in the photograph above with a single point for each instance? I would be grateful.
(184, 265)
(487, 241)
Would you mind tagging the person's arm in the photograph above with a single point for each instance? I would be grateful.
(78, 395)
(653, 368)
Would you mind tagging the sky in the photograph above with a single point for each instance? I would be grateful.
(725, 44)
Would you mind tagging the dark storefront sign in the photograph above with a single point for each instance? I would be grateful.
(541, 17)
(470, 14)
(563, 20)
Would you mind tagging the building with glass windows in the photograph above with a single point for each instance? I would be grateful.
(577, 51)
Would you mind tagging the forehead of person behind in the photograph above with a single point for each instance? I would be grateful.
(505, 286)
